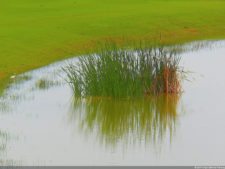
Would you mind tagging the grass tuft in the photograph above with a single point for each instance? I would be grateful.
(117, 72)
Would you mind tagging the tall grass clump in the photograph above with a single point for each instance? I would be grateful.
(116, 72)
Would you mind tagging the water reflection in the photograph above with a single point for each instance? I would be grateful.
(33, 111)
(24, 87)
(147, 120)
(5, 137)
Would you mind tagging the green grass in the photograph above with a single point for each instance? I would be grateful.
(35, 33)
(116, 72)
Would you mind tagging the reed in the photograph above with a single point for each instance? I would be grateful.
(117, 72)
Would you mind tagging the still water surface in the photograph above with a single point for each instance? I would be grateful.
(42, 124)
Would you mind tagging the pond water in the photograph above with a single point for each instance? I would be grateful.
(42, 124)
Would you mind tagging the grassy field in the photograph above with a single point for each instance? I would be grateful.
(35, 33)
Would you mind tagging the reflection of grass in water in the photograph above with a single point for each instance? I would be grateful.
(4, 107)
(149, 119)
(21, 78)
(3, 140)
(6, 96)
(16, 80)
(44, 84)
(5, 137)
(121, 73)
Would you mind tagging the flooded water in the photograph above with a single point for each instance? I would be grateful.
(42, 124)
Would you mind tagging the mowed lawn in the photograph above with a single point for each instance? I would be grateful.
(34, 33)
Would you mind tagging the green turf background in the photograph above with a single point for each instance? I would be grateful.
(34, 33)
